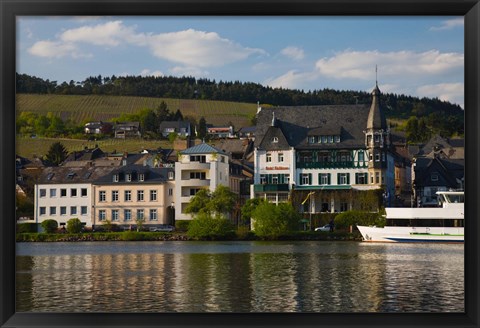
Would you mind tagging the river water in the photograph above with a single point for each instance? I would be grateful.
(238, 277)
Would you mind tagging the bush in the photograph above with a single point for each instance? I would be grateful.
(272, 221)
(352, 218)
(26, 227)
(74, 225)
(49, 226)
(207, 226)
(182, 225)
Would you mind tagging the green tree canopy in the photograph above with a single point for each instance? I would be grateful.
(74, 225)
(272, 221)
(49, 226)
(57, 153)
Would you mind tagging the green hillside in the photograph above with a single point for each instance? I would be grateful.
(79, 108)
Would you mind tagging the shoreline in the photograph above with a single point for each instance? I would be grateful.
(159, 236)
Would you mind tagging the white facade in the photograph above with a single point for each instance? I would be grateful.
(62, 202)
(195, 171)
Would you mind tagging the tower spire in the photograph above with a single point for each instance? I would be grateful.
(376, 75)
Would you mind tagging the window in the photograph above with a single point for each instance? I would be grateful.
(330, 139)
(53, 192)
(311, 139)
(43, 210)
(280, 157)
(197, 175)
(140, 214)
(275, 140)
(102, 215)
(114, 215)
(198, 158)
(170, 175)
(361, 156)
(153, 215)
(269, 158)
(377, 138)
(153, 195)
(377, 177)
(128, 177)
(222, 159)
(63, 192)
(371, 157)
(263, 179)
(275, 179)
(434, 177)
(140, 195)
(73, 210)
(343, 207)
(102, 196)
(141, 177)
(115, 178)
(73, 192)
(170, 192)
(361, 178)
(43, 192)
(83, 210)
(377, 157)
(53, 210)
(128, 195)
(343, 178)
(84, 192)
(286, 178)
(383, 157)
(324, 139)
(337, 138)
(115, 196)
(127, 215)
(63, 210)
(193, 192)
(324, 178)
(305, 178)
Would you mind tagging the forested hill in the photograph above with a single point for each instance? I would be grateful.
(445, 118)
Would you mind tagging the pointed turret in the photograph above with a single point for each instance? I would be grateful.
(376, 118)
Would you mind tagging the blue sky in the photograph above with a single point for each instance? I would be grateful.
(418, 56)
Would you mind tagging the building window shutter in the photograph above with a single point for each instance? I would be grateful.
(356, 178)
(329, 178)
(338, 178)
(348, 178)
(310, 179)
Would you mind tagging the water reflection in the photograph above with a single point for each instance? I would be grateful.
(240, 277)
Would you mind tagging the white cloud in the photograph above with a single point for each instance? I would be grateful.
(294, 53)
(359, 64)
(449, 24)
(452, 92)
(52, 49)
(292, 80)
(147, 72)
(199, 49)
(188, 71)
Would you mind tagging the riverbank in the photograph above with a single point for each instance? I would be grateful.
(174, 236)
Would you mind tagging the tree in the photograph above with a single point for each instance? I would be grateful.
(199, 202)
(272, 221)
(74, 225)
(56, 154)
(222, 200)
(202, 128)
(249, 207)
(208, 226)
(49, 226)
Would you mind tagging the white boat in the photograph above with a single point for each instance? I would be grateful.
(443, 224)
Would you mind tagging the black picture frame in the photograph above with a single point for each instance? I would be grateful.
(470, 9)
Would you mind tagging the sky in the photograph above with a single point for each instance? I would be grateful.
(417, 56)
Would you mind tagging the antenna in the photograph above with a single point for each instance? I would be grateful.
(376, 75)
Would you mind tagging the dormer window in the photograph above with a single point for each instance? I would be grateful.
(330, 139)
(170, 175)
(128, 177)
(275, 140)
(337, 138)
(141, 177)
(377, 138)
(115, 178)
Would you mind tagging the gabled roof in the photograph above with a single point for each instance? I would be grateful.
(151, 175)
(70, 175)
(297, 122)
(202, 148)
(174, 124)
(274, 139)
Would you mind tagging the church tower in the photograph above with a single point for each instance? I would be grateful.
(377, 140)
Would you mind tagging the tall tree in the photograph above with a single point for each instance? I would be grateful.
(202, 128)
(56, 154)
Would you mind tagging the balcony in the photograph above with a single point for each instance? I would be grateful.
(270, 187)
(331, 165)
(196, 183)
(195, 166)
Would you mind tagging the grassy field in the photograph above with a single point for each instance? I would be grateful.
(29, 148)
(101, 107)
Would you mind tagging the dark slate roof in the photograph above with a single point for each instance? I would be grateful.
(202, 148)
(296, 122)
(70, 175)
(376, 117)
(151, 175)
(268, 143)
(449, 171)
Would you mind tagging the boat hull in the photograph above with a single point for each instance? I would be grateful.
(393, 234)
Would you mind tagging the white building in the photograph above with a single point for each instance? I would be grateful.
(328, 152)
(63, 193)
(199, 167)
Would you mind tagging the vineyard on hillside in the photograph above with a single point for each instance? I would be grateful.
(80, 108)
